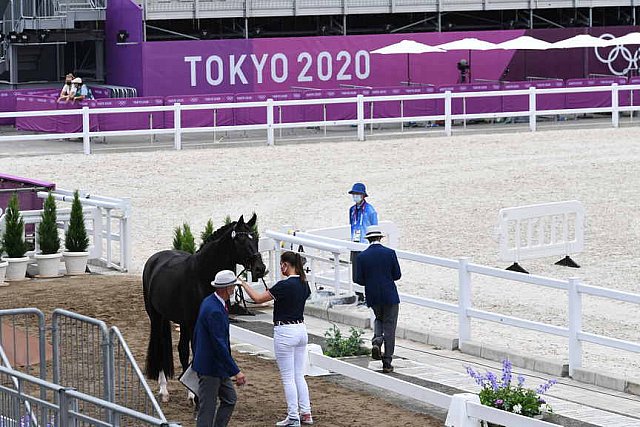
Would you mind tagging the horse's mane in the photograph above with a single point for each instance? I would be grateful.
(218, 233)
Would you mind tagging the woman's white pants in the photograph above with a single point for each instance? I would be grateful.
(290, 345)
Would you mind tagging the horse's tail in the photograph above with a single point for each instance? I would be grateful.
(159, 350)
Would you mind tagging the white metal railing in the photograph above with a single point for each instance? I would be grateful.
(360, 121)
(392, 384)
(100, 212)
(106, 210)
(316, 245)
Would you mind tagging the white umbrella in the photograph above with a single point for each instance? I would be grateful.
(581, 40)
(408, 47)
(467, 44)
(631, 38)
(524, 43)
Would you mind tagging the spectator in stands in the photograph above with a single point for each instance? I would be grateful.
(361, 216)
(68, 90)
(82, 92)
(212, 359)
(377, 271)
(290, 335)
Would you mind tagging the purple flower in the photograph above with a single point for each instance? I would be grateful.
(543, 388)
(520, 380)
(491, 377)
(476, 376)
(506, 372)
(499, 402)
(541, 401)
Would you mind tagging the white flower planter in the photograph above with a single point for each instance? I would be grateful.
(48, 265)
(3, 272)
(76, 262)
(17, 268)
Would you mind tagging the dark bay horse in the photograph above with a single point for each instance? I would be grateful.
(175, 283)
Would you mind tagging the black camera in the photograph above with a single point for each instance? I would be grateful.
(463, 67)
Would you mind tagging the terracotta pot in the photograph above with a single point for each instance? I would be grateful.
(17, 268)
(48, 265)
(75, 262)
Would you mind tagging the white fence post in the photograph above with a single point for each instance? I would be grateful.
(270, 134)
(447, 113)
(336, 272)
(575, 325)
(360, 113)
(86, 128)
(532, 109)
(615, 102)
(464, 300)
(177, 126)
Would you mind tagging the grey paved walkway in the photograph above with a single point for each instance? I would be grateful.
(420, 363)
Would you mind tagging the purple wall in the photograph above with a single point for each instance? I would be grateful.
(258, 65)
(124, 61)
(27, 199)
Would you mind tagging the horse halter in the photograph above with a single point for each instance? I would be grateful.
(250, 258)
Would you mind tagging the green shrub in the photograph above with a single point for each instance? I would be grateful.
(177, 238)
(337, 346)
(206, 233)
(183, 239)
(48, 238)
(13, 237)
(76, 239)
(188, 241)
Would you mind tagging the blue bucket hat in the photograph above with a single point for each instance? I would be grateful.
(359, 188)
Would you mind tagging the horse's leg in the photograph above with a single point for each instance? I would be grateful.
(164, 393)
(183, 351)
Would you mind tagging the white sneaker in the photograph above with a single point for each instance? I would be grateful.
(288, 422)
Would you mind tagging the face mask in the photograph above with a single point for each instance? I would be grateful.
(357, 198)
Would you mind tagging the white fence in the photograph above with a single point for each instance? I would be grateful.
(543, 230)
(392, 384)
(107, 221)
(358, 102)
(315, 246)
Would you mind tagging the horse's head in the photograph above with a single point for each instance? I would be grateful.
(245, 244)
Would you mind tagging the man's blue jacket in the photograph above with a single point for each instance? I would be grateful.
(377, 269)
(211, 346)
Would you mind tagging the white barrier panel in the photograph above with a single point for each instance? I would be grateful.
(536, 231)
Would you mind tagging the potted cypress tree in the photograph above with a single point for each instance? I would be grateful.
(13, 242)
(76, 241)
(49, 241)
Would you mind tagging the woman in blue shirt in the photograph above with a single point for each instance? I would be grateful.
(290, 335)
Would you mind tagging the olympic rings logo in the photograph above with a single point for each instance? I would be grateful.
(618, 51)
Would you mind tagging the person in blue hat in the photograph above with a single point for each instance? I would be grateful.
(361, 216)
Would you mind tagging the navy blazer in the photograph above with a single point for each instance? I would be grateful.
(211, 346)
(377, 269)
